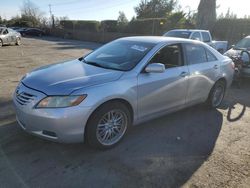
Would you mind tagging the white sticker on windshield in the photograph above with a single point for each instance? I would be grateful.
(139, 48)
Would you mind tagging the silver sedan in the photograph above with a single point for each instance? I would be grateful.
(128, 81)
(9, 36)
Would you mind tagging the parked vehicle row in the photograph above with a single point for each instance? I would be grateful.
(13, 35)
(241, 53)
(200, 35)
(128, 81)
(32, 32)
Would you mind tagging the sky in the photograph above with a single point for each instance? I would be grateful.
(109, 9)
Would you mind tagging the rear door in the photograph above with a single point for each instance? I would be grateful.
(204, 70)
(158, 92)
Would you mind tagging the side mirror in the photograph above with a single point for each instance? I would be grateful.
(233, 46)
(155, 68)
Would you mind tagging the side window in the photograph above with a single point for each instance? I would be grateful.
(196, 36)
(5, 32)
(210, 56)
(195, 54)
(170, 56)
(205, 36)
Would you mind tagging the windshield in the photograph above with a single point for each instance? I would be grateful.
(178, 34)
(119, 55)
(243, 44)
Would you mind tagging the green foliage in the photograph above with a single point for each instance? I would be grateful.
(155, 8)
(109, 25)
(30, 14)
(122, 22)
(229, 15)
(80, 25)
(122, 19)
(231, 30)
(158, 26)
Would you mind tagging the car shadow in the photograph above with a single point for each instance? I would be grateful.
(164, 152)
(237, 101)
(66, 44)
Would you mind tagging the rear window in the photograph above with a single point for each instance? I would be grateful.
(195, 54)
(210, 56)
(178, 34)
(205, 36)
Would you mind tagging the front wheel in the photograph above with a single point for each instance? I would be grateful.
(217, 94)
(18, 41)
(1, 43)
(108, 125)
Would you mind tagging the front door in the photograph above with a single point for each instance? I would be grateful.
(159, 92)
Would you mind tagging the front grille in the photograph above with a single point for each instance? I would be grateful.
(24, 98)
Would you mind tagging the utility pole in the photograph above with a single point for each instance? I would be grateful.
(50, 11)
(51, 16)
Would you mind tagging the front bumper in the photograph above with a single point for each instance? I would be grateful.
(64, 125)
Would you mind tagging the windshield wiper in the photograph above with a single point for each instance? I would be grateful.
(99, 65)
(92, 63)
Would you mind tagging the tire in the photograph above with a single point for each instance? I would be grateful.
(108, 125)
(217, 94)
(18, 41)
(1, 43)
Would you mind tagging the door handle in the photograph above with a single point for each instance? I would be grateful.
(184, 74)
(216, 66)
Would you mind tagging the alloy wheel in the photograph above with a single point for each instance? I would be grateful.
(111, 127)
(218, 95)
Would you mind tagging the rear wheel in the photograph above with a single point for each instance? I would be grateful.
(108, 125)
(217, 94)
(1, 43)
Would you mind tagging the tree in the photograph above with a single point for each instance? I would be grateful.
(31, 14)
(206, 16)
(122, 18)
(154, 8)
(122, 22)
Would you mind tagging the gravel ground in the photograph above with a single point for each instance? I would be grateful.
(195, 147)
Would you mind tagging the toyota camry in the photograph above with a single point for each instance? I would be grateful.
(96, 98)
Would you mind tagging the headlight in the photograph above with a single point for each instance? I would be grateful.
(60, 101)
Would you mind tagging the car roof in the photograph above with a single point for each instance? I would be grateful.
(190, 30)
(156, 39)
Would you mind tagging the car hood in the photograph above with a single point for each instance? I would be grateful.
(64, 78)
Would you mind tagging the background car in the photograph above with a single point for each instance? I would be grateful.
(125, 82)
(200, 35)
(236, 52)
(9, 36)
(32, 32)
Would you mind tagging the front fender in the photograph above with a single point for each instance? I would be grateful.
(121, 89)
